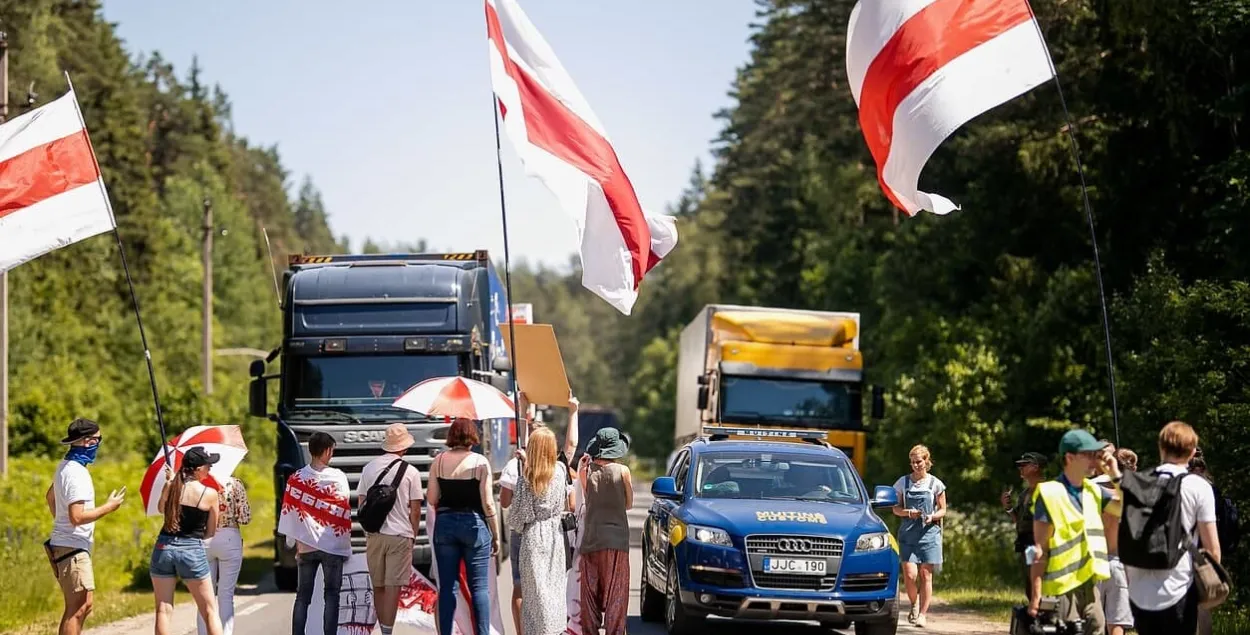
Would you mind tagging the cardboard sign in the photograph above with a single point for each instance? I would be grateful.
(538, 366)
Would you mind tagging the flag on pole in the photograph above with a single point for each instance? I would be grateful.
(920, 69)
(562, 143)
(51, 192)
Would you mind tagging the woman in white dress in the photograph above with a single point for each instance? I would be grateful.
(541, 498)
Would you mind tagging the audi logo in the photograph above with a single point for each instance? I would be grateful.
(794, 545)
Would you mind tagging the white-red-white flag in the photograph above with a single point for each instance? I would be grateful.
(51, 192)
(920, 69)
(561, 142)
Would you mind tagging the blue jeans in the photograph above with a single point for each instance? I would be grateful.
(332, 570)
(175, 557)
(462, 537)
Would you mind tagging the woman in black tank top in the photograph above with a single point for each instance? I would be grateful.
(190, 510)
(465, 529)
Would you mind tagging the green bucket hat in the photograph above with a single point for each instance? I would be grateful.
(607, 444)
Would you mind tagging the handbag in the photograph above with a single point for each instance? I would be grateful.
(1211, 580)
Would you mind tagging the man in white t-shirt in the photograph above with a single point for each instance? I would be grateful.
(389, 551)
(507, 484)
(317, 518)
(71, 501)
(1165, 601)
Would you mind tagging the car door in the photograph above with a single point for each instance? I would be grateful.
(661, 511)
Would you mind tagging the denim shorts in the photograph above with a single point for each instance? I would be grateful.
(174, 557)
(514, 552)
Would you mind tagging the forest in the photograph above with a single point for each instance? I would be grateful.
(984, 326)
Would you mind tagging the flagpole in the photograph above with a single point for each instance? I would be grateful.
(134, 298)
(522, 429)
(1089, 217)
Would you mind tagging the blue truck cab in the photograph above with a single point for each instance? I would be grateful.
(768, 530)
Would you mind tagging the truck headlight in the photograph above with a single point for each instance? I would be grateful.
(873, 542)
(709, 535)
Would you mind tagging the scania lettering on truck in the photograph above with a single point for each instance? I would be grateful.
(360, 330)
(773, 373)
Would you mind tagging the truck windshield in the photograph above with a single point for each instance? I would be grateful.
(792, 402)
(360, 384)
(776, 475)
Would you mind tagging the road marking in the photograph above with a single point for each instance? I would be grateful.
(252, 608)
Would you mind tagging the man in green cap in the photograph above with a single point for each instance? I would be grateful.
(1068, 521)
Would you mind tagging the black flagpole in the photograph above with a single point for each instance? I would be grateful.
(121, 250)
(522, 429)
(1089, 217)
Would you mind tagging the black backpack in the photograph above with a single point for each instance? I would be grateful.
(1227, 523)
(380, 499)
(1151, 533)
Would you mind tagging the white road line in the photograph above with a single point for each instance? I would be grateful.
(252, 608)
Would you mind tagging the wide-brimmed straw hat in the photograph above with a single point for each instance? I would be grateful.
(397, 438)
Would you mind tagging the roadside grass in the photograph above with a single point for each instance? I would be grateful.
(30, 600)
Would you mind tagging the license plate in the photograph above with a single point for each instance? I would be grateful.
(797, 566)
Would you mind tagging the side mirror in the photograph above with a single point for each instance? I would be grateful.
(501, 364)
(502, 383)
(878, 402)
(665, 487)
(258, 396)
(884, 496)
(702, 403)
(256, 368)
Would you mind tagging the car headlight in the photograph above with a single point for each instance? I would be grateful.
(709, 535)
(873, 542)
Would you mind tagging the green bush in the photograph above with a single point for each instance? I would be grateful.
(30, 600)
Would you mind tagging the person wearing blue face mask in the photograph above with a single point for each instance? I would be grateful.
(71, 501)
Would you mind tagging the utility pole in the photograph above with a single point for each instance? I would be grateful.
(4, 284)
(208, 297)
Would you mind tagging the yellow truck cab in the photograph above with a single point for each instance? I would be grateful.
(776, 374)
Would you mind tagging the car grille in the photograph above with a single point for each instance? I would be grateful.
(864, 582)
(793, 546)
(352, 459)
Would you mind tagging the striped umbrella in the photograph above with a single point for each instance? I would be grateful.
(457, 397)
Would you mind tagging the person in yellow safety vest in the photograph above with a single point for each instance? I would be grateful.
(1068, 521)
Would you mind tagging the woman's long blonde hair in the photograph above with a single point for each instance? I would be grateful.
(540, 459)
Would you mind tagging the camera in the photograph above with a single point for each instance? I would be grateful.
(1047, 622)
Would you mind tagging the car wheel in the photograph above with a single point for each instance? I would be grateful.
(676, 618)
(652, 605)
(882, 627)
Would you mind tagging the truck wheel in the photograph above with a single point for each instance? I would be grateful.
(652, 605)
(676, 618)
(883, 627)
(286, 579)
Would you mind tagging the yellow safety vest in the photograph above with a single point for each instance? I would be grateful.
(1078, 546)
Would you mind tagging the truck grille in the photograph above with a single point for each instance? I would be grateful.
(352, 459)
(794, 546)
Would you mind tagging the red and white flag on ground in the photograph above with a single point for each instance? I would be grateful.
(920, 69)
(561, 142)
(51, 193)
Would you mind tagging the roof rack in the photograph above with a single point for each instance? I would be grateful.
(727, 432)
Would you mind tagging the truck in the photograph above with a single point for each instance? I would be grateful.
(359, 330)
(776, 372)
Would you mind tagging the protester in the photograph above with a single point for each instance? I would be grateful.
(316, 516)
(389, 550)
(604, 549)
(71, 501)
(1068, 531)
(1165, 601)
(922, 505)
(541, 500)
(1031, 466)
(190, 510)
(1113, 592)
(507, 483)
(225, 550)
(465, 527)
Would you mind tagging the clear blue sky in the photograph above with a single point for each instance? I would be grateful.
(388, 108)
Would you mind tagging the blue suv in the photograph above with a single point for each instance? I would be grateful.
(768, 530)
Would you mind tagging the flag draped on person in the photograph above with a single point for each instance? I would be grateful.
(316, 511)
(51, 191)
(562, 143)
(920, 69)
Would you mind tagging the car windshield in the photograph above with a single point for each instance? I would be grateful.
(360, 384)
(811, 404)
(776, 475)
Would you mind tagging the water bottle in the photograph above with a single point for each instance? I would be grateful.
(1030, 554)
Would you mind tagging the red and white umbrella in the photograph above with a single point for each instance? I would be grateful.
(457, 397)
(224, 440)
